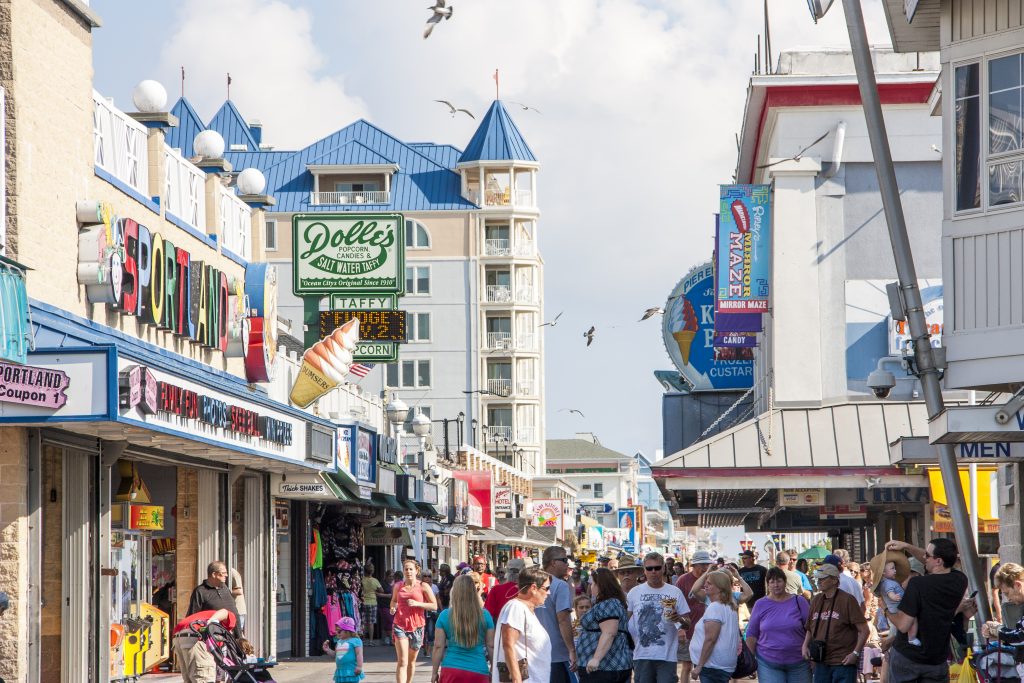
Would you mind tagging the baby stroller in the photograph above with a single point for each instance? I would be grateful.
(231, 661)
(996, 663)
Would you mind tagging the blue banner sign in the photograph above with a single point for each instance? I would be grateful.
(744, 249)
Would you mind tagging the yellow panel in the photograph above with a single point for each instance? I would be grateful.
(985, 492)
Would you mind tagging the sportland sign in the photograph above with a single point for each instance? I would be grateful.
(348, 252)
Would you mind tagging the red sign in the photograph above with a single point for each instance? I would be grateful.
(481, 489)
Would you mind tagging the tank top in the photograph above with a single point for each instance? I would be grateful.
(409, 618)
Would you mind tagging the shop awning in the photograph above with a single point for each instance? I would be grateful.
(335, 483)
(389, 503)
(489, 536)
(427, 509)
(988, 503)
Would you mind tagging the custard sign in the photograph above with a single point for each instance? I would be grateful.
(347, 251)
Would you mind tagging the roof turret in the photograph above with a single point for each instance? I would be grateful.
(497, 139)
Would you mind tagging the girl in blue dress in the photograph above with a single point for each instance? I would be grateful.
(348, 652)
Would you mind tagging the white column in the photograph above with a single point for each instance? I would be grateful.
(255, 577)
(77, 545)
(795, 294)
(209, 521)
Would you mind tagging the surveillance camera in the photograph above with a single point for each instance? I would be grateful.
(881, 383)
(1009, 409)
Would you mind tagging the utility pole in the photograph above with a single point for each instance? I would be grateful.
(924, 358)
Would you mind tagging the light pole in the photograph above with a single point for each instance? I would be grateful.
(924, 358)
(397, 411)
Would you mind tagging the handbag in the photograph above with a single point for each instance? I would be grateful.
(817, 648)
(746, 663)
(504, 675)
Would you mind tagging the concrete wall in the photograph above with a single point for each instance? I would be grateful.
(13, 551)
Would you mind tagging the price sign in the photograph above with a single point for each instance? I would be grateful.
(373, 325)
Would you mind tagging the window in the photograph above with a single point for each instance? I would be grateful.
(408, 374)
(967, 112)
(417, 327)
(416, 235)
(1004, 129)
(271, 235)
(365, 186)
(417, 280)
(598, 490)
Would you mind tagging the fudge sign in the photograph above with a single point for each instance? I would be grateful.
(31, 386)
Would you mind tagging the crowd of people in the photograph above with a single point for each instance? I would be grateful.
(889, 619)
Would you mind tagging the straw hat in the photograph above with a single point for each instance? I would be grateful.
(879, 561)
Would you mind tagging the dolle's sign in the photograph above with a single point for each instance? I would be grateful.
(32, 386)
(346, 251)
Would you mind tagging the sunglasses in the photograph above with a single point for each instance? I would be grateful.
(561, 559)
(546, 588)
(655, 569)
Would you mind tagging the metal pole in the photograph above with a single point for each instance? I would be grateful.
(924, 360)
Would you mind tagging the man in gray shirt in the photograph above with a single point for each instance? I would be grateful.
(556, 615)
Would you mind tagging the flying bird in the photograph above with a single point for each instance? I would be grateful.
(453, 110)
(554, 322)
(526, 107)
(798, 155)
(651, 312)
(439, 12)
(589, 334)
(573, 410)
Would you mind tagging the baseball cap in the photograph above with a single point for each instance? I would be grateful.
(346, 624)
(826, 570)
(747, 553)
(701, 557)
(916, 566)
(832, 560)
(518, 565)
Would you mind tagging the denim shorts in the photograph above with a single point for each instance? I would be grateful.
(415, 636)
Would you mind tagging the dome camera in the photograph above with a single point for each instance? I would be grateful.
(881, 383)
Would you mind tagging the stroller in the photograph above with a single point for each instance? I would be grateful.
(232, 663)
(996, 663)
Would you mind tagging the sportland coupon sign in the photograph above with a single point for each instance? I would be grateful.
(335, 253)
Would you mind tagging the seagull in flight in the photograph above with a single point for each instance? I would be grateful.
(651, 312)
(440, 11)
(526, 107)
(589, 334)
(554, 322)
(453, 110)
(573, 410)
(798, 155)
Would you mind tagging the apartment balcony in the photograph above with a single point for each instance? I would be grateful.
(341, 198)
(499, 387)
(525, 248)
(499, 294)
(498, 433)
(505, 248)
(526, 341)
(526, 435)
(527, 388)
(499, 341)
(526, 295)
(502, 198)
(497, 248)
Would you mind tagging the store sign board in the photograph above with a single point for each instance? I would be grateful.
(503, 499)
(144, 517)
(367, 302)
(362, 448)
(294, 489)
(261, 334)
(373, 325)
(481, 489)
(386, 482)
(801, 497)
(458, 501)
(33, 386)
(86, 392)
(377, 535)
(362, 253)
(476, 513)
(545, 512)
(627, 523)
(744, 248)
(375, 352)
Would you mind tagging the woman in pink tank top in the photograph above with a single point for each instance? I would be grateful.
(410, 598)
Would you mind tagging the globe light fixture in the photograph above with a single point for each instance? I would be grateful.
(149, 97)
(420, 424)
(818, 8)
(251, 181)
(209, 145)
(397, 411)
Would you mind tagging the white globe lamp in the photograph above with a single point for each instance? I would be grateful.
(397, 411)
(150, 97)
(420, 424)
(251, 181)
(209, 145)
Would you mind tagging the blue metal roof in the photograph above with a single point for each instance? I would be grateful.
(352, 153)
(232, 127)
(497, 139)
(446, 155)
(189, 126)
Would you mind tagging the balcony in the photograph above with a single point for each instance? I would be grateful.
(235, 224)
(526, 295)
(527, 388)
(497, 248)
(525, 248)
(185, 189)
(499, 341)
(526, 341)
(119, 145)
(499, 294)
(498, 433)
(502, 197)
(499, 387)
(341, 198)
(526, 435)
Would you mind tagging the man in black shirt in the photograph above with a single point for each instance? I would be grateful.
(754, 575)
(214, 593)
(932, 600)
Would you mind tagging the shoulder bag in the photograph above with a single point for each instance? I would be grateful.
(504, 675)
(817, 648)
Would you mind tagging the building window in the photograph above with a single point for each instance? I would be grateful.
(417, 326)
(408, 374)
(1004, 129)
(271, 235)
(417, 280)
(416, 235)
(598, 490)
(365, 186)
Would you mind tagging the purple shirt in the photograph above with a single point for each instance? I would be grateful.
(779, 629)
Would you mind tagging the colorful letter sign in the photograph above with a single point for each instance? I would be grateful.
(347, 251)
(744, 248)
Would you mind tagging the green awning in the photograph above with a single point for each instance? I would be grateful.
(427, 509)
(339, 486)
(390, 503)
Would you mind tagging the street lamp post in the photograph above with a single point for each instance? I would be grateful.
(924, 360)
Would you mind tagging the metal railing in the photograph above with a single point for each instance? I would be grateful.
(334, 198)
(526, 295)
(526, 341)
(526, 435)
(119, 144)
(499, 341)
(524, 198)
(498, 433)
(526, 387)
(500, 294)
(235, 224)
(497, 248)
(184, 189)
(499, 386)
(525, 248)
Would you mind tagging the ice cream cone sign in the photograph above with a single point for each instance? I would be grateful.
(325, 364)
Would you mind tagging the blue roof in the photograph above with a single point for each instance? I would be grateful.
(352, 153)
(232, 127)
(189, 126)
(497, 139)
(446, 155)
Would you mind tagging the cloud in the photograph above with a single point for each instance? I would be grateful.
(275, 65)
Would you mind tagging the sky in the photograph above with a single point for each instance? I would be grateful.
(641, 102)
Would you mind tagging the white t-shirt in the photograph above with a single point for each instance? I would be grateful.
(655, 637)
(852, 586)
(533, 642)
(727, 646)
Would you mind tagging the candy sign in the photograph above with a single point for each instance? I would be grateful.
(347, 251)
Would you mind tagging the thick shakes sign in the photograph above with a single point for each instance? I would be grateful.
(744, 249)
(356, 252)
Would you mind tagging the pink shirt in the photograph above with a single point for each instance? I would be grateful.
(409, 618)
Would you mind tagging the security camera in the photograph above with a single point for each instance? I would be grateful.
(881, 383)
(1009, 409)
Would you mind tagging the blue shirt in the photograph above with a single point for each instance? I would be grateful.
(805, 582)
(465, 658)
(559, 600)
(619, 657)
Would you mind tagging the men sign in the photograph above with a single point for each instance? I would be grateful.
(362, 253)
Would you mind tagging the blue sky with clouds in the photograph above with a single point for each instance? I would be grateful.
(641, 101)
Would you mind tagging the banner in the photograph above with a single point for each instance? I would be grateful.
(546, 512)
(627, 523)
(743, 245)
(733, 330)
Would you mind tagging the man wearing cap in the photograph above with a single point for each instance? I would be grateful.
(503, 592)
(836, 621)
(700, 563)
(754, 575)
(847, 583)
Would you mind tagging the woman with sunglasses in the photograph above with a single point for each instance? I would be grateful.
(519, 635)
(603, 647)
